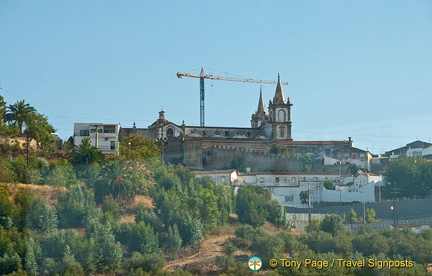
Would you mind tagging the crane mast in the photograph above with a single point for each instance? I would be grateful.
(202, 99)
(202, 76)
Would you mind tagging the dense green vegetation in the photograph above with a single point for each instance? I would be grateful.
(329, 241)
(409, 177)
(110, 214)
(82, 233)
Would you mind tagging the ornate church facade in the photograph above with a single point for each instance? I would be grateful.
(216, 147)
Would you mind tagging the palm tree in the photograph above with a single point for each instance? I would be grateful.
(85, 153)
(20, 113)
(117, 180)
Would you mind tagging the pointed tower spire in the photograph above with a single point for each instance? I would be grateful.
(260, 116)
(261, 107)
(279, 95)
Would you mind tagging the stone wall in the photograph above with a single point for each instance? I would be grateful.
(193, 154)
(218, 158)
(173, 151)
(412, 209)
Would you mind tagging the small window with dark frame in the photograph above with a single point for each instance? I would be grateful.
(84, 132)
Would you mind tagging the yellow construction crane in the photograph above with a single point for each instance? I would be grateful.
(202, 76)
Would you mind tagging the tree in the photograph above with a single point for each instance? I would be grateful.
(140, 237)
(320, 241)
(304, 197)
(370, 243)
(225, 202)
(267, 245)
(40, 130)
(148, 262)
(2, 109)
(281, 150)
(133, 146)
(85, 153)
(7, 209)
(332, 224)
(69, 242)
(10, 263)
(250, 205)
(4, 129)
(352, 216)
(20, 113)
(174, 240)
(119, 181)
(108, 252)
(408, 176)
(308, 164)
(41, 216)
(277, 214)
(370, 215)
(33, 252)
(60, 173)
(238, 164)
(329, 185)
(190, 229)
(76, 207)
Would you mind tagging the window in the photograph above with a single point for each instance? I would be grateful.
(277, 179)
(170, 132)
(109, 129)
(289, 198)
(93, 130)
(112, 145)
(223, 179)
(282, 132)
(84, 133)
(281, 116)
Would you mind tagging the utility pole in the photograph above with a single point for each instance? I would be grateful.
(96, 137)
(394, 207)
(309, 210)
(364, 208)
(340, 182)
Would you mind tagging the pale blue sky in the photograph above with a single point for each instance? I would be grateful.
(356, 68)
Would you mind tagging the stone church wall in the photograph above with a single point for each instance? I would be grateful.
(218, 159)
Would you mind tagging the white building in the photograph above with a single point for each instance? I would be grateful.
(228, 177)
(102, 136)
(286, 188)
(419, 152)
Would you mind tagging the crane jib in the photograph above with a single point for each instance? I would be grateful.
(211, 77)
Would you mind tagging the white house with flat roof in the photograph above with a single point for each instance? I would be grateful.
(286, 187)
(105, 137)
(228, 177)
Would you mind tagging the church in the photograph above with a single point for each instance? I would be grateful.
(212, 148)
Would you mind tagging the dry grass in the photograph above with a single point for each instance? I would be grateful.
(272, 229)
(127, 218)
(48, 193)
(140, 200)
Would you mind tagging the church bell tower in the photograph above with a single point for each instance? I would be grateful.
(280, 115)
